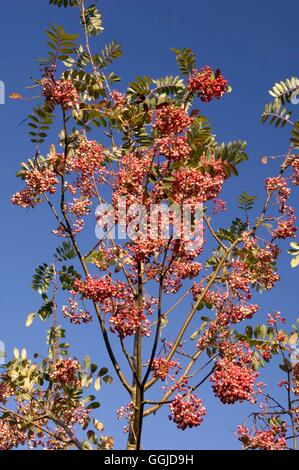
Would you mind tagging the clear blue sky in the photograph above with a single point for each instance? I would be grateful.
(254, 44)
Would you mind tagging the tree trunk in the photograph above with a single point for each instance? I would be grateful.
(134, 440)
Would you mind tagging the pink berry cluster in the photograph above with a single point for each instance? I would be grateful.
(39, 181)
(187, 411)
(207, 84)
(219, 206)
(127, 320)
(85, 162)
(76, 415)
(118, 98)
(256, 264)
(87, 159)
(192, 186)
(24, 198)
(242, 312)
(80, 207)
(125, 412)
(60, 92)
(279, 184)
(184, 268)
(233, 382)
(265, 351)
(226, 311)
(171, 121)
(98, 289)
(286, 227)
(11, 435)
(295, 176)
(274, 318)
(117, 300)
(66, 372)
(6, 391)
(173, 148)
(234, 376)
(131, 177)
(296, 379)
(161, 367)
(74, 314)
(270, 439)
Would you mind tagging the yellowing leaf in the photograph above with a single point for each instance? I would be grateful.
(98, 425)
(97, 384)
(295, 245)
(16, 353)
(52, 150)
(16, 96)
(293, 338)
(295, 261)
(30, 319)
(23, 353)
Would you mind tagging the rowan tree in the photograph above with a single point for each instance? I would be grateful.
(130, 155)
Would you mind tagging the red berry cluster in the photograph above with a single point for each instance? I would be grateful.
(187, 411)
(74, 314)
(39, 181)
(261, 269)
(161, 367)
(266, 351)
(295, 165)
(60, 92)
(286, 227)
(233, 382)
(11, 435)
(87, 159)
(173, 148)
(128, 319)
(234, 377)
(207, 84)
(118, 301)
(6, 391)
(131, 176)
(66, 371)
(274, 318)
(180, 270)
(171, 121)
(241, 312)
(97, 289)
(118, 98)
(270, 439)
(24, 198)
(279, 184)
(296, 379)
(192, 186)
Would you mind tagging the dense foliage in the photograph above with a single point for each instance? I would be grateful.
(134, 156)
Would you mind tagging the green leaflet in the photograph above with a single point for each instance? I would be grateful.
(61, 45)
(65, 3)
(40, 122)
(92, 21)
(186, 60)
